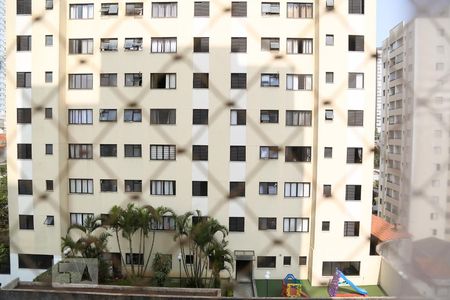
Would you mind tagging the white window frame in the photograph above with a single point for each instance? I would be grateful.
(295, 224)
(163, 152)
(164, 9)
(81, 11)
(80, 116)
(299, 82)
(297, 189)
(81, 186)
(164, 45)
(163, 187)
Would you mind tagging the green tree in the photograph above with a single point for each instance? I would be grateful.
(161, 266)
(3, 197)
(201, 240)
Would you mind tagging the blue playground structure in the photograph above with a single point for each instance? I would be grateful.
(335, 282)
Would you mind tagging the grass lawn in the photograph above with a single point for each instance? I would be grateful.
(274, 289)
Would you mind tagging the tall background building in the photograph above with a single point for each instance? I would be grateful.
(2, 63)
(415, 182)
(260, 115)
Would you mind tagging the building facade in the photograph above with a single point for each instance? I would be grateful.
(414, 182)
(259, 114)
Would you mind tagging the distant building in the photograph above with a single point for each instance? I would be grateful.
(378, 117)
(415, 141)
(2, 62)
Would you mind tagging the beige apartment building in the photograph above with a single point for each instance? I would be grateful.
(259, 114)
(415, 149)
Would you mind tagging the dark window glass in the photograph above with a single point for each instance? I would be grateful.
(237, 153)
(200, 188)
(236, 224)
(199, 152)
(237, 189)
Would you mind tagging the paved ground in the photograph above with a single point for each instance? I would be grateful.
(243, 290)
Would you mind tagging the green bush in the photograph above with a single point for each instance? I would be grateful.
(161, 267)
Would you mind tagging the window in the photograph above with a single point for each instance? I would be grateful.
(199, 220)
(266, 262)
(268, 188)
(133, 44)
(164, 9)
(79, 218)
(330, 4)
(268, 152)
(295, 224)
(23, 80)
(299, 10)
(49, 221)
(355, 43)
(297, 82)
(24, 151)
(80, 116)
(163, 80)
(268, 116)
(108, 150)
(349, 268)
(238, 9)
(270, 8)
(134, 9)
(286, 260)
(163, 152)
(354, 155)
(80, 81)
(81, 11)
(81, 186)
(136, 259)
(270, 80)
(200, 81)
(23, 7)
(165, 223)
(298, 117)
(302, 260)
(49, 40)
(237, 153)
(48, 77)
(26, 222)
(48, 149)
(164, 45)
(327, 190)
(355, 118)
(238, 80)
(35, 261)
(298, 154)
(326, 226)
(329, 77)
(297, 189)
(109, 9)
(199, 152)
(189, 259)
(352, 192)
(356, 6)
(299, 46)
(25, 187)
(81, 46)
(236, 224)
(133, 79)
(132, 150)
(132, 115)
(24, 116)
(200, 117)
(355, 80)
(351, 228)
(107, 115)
(163, 116)
(328, 152)
(267, 223)
(238, 117)
(329, 40)
(108, 79)
(201, 9)
(108, 185)
(237, 189)
(133, 186)
(199, 188)
(162, 187)
(270, 44)
(23, 43)
(108, 44)
(201, 44)
(80, 151)
(329, 114)
(239, 44)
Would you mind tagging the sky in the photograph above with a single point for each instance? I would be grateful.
(390, 13)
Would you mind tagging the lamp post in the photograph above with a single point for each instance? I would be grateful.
(267, 277)
(179, 263)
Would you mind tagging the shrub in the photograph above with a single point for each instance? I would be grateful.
(161, 267)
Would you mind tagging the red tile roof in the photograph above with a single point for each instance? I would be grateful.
(385, 231)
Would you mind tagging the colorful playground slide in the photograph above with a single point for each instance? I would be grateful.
(335, 282)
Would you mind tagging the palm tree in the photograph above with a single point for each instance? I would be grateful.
(129, 225)
(114, 221)
(221, 259)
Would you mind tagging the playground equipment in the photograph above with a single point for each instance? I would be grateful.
(333, 286)
(292, 287)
